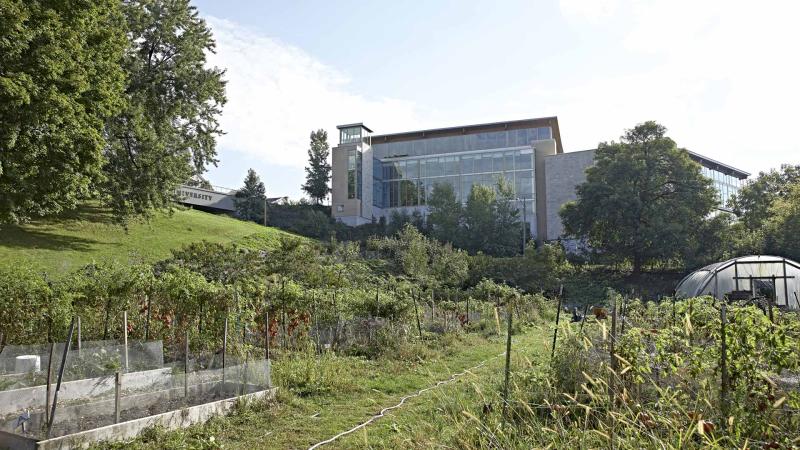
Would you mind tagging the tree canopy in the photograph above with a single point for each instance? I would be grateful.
(782, 228)
(643, 200)
(318, 171)
(444, 213)
(753, 202)
(167, 130)
(251, 197)
(60, 80)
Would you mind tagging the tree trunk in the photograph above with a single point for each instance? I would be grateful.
(637, 265)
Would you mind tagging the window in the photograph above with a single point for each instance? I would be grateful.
(545, 133)
(350, 135)
(484, 164)
(524, 160)
(353, 174)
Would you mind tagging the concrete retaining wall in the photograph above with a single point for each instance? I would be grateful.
(128, 430)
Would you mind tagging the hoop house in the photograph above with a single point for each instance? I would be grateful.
(758, 275)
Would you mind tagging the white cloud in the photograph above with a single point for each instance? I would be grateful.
(722, 75)
(588, 10)
(278, 93)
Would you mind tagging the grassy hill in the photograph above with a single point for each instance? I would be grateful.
(88, 234)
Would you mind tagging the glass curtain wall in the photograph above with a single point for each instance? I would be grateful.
(410, 182)
(726, 185)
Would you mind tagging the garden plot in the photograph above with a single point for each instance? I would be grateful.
(119, 407)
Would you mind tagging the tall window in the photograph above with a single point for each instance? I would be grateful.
(353, 174)
(351, 135)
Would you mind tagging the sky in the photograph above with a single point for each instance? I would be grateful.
(722, 76)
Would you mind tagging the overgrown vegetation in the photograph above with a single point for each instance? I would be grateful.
(655, 380)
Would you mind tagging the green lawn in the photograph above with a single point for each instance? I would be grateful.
(88, 234)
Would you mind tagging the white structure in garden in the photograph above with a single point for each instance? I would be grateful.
(753, 276)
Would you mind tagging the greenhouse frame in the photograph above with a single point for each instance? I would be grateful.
(748, 276)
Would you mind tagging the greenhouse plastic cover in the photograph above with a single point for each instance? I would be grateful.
(747, 273)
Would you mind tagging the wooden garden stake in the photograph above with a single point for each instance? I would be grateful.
(416, 312)
(125, 336)
(497, 320)
(612, 352)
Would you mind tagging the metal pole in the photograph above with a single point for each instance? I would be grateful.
(79, 335)
(224, 347)
(724, 361)
(186, 366)
(771, 301)
(508, 362)
(585, 311)
(416, 313)
(117, 388)
(125, 336)
(555, 332)
(316, 324)
(612, 352)
(147, 319)
(49, 372)
(266, 334)
(60, 377)
(524, 224)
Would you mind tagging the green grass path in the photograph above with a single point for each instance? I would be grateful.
(297, 422)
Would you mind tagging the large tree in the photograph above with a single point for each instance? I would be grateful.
(167, 131)
(479, 220)
(444, 213)
(318, 171)
(251, 197)
(507, 234)
(782, 228)
(642, 201)
(60, 79)
(753, 202)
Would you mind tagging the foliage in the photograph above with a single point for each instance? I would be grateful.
(251, 198)
(478, 222)
(753, 202)
(60, 80)
(422, 260)
(642, 200)
(318, 171)
(539, 270)
(29, 306)
(444, 214)
(167, 130)
(783, 226)
(507, 222)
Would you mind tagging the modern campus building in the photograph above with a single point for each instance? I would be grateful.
(374, 175)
